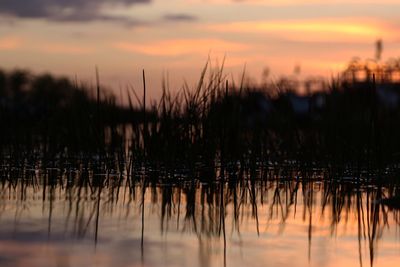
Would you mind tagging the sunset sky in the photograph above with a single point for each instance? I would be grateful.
(70, 37)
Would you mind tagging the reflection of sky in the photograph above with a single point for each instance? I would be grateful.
(25, 239)
(70, 37)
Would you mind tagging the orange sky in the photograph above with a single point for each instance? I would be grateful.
(178, 36)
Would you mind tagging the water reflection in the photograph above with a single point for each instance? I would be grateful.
(55, 217)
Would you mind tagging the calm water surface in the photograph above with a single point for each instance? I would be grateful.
(67, 222)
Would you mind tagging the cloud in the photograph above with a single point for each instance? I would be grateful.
(10, 43)
(324, 30)
(300, 2)
(58, 48)
(65, 10)
(180, 47)
(179, 17)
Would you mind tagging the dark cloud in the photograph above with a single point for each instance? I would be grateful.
(65, 10)
(179, 17)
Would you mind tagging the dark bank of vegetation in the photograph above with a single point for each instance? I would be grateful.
(349, 122)
(44, 114)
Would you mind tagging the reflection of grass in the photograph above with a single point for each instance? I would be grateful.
(346, 125)
(266, 203)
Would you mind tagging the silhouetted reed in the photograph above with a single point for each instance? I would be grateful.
(347, 124)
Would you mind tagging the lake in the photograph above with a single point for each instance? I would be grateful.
(56, 217)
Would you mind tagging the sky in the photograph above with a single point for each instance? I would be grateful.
(175, 38)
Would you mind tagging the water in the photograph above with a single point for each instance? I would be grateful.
(293, 222)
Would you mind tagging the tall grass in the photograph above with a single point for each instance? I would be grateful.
(344, 125)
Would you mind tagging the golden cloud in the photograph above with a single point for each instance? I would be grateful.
(314, 30)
